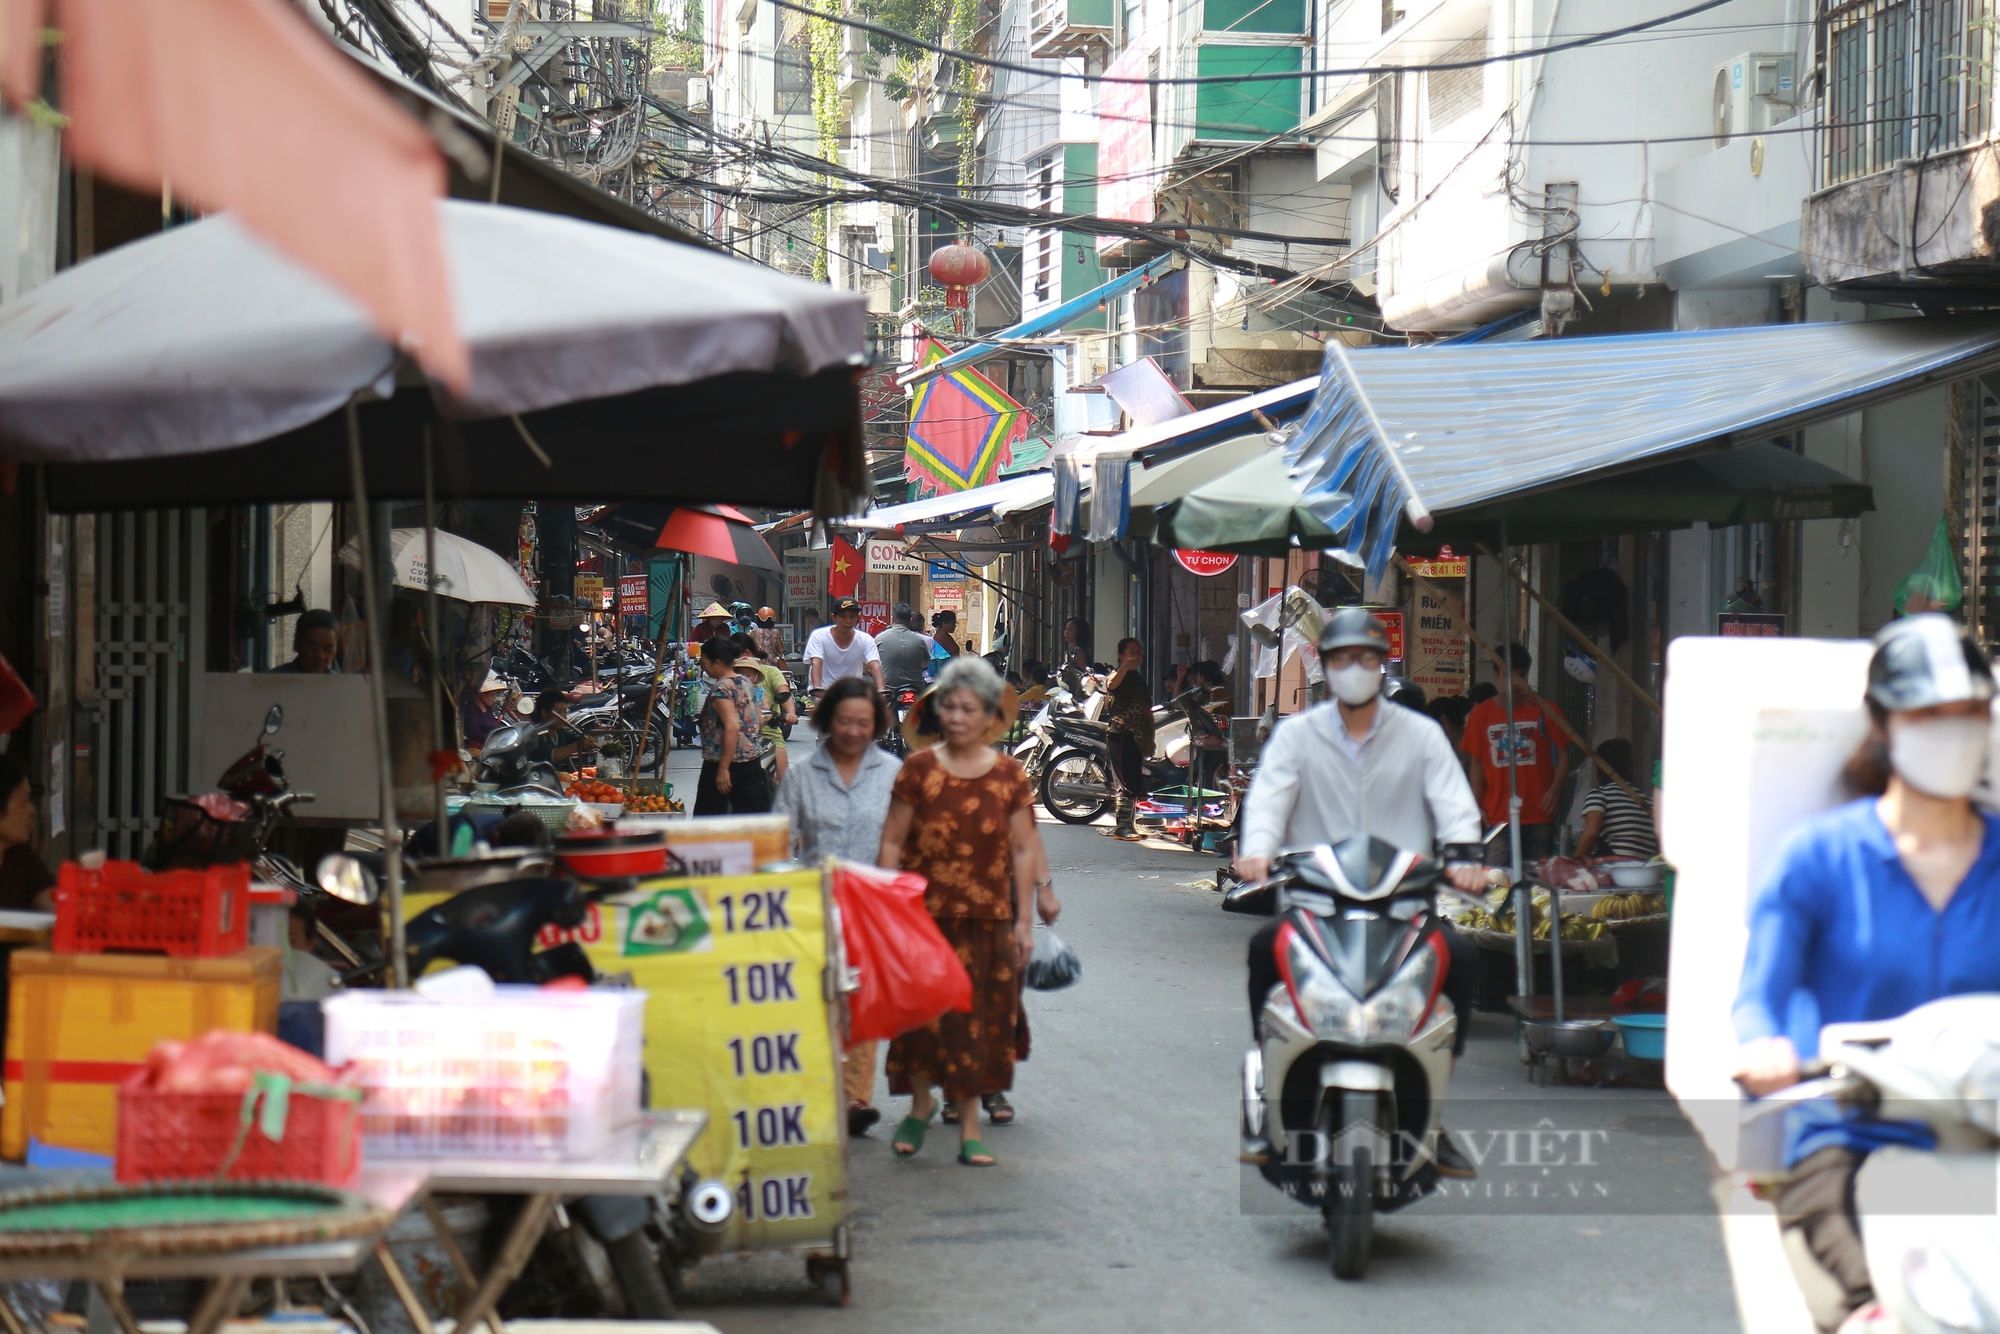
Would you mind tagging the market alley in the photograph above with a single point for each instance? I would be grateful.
(1117, 1199)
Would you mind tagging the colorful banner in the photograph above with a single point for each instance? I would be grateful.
(962, 428)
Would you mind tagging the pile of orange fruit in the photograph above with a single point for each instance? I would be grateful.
(589, 789)
(650, 805)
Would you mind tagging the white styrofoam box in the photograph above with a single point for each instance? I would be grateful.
(1756, 734)
(524, 1073)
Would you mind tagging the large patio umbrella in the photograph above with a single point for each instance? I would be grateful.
(465, 570)
(720, 532)
(219, 370)
(200, 367)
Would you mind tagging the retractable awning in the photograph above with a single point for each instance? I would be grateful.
(1395, 442)
(1009, 495)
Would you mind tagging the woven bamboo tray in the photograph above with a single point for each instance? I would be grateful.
(171, 1218)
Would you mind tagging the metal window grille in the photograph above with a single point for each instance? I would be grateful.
(1980, 510)
(151, 590)
(1904, 78)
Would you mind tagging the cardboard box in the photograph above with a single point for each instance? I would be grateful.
(79, 1024)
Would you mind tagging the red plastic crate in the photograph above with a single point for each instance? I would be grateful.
(187, 1137)
(195, 914)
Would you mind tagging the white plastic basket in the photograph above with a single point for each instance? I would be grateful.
(524, 1073)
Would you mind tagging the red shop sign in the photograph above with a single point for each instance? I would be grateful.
(632, 594)
(1204, 562)
(1393, 622)
(874, 617)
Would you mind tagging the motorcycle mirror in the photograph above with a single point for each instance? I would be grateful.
(525, 706)
(274, 720)
(346, 879)
(1264, 635)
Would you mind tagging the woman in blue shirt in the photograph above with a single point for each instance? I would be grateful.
(1874, 909)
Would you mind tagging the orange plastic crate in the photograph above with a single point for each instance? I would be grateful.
(195, 914)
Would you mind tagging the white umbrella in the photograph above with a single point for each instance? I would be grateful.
(466, 570)
(203, 337)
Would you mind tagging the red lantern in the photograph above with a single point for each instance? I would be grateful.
(958, 268)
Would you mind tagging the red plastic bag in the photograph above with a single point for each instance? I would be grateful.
(909, 973)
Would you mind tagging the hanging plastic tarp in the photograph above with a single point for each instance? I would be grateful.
(1394, 440)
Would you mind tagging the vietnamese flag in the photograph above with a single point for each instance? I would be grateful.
(843, 571)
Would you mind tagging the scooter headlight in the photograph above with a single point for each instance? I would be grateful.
(1393, 1013)
(1328, 1009)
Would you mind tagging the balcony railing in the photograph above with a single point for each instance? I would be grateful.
(1904, 79)
(1068, 27)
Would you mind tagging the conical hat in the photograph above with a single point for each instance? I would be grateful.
(920, 724)
(713, 609)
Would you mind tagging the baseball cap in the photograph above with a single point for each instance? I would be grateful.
(845, 604)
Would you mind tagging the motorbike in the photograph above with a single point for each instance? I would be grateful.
(1928, 1226)
(506, 764)
(234, 821)
(1344, 1093)
(900, 702)
(1076, 784)
(496, 927)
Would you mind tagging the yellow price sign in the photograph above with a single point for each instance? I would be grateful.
(739, 1022)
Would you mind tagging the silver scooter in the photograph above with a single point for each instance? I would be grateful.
(1344, 1094)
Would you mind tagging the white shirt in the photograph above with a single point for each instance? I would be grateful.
(1400, 783)
(837, 661)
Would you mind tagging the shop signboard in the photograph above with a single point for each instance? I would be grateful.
(804, 578)
(1394, 621)
(1438, 660)
(590, 591)
(874, 617)
(1204, 563)
(888, 555)
(948, 597)
(1750, 625)
(632, 594)
(1445, 565)
(947, 572)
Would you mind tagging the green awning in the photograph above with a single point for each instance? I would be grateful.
(1256, 510)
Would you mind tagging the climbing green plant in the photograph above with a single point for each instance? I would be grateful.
(965, 81)
(824, 36)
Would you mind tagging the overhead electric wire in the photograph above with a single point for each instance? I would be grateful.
(1260, 76)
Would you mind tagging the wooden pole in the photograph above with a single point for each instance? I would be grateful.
(1569, 625)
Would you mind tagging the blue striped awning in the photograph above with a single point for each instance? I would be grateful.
(1394, 437)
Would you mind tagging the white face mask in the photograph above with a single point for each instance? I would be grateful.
(1354, 684)
(1941, 757)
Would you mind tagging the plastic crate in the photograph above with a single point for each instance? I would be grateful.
(188, 1137)
(193, 914)
(523, 1073)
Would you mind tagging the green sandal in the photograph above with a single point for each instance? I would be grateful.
(910, 1132)
(971, 1149)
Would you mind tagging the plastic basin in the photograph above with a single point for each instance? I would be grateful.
(1645, 1035)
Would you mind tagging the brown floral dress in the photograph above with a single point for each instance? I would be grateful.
(959, 841)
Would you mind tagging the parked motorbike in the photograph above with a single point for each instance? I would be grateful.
(1343, 1095)
(506, 763)
(1076, 784)
(1927, 1219)
(234, 821)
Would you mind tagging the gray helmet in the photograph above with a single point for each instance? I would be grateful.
(1924, 660)
(1354, 627)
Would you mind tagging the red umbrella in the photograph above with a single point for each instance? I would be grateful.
(720, 533)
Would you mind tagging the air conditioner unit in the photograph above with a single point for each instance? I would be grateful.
(1753, 92)
(697, 93)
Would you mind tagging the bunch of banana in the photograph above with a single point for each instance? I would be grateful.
(1617, 907)
(1580, 928)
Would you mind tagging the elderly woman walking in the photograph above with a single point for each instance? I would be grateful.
(838, 800)
(961, 815)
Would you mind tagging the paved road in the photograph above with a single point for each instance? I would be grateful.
(1118, 1202)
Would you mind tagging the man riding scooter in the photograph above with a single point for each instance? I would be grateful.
(1351, 766)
